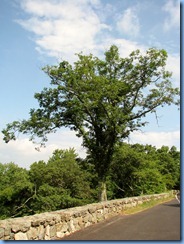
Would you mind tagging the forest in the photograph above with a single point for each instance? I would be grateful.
(66, 180)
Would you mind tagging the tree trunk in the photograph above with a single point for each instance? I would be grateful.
(103, 192)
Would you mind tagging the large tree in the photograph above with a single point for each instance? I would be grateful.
(102, 100)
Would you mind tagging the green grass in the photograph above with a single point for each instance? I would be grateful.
(146, 205)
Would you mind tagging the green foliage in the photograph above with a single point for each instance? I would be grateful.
(15, 190)
(60, 183)
(138, 169)
(169, 166)
(67, 181)
(102, 100)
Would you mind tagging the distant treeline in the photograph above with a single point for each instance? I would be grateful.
(67, 180)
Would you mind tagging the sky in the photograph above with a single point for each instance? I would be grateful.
(35, 33)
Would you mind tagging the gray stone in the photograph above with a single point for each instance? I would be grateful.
(99, 206)
(51, 223)
(92, 209)
(35, 223)
(77, 214)
(9, 237)
(65, 217)
(94, 219)
(32, 233)
(140, 202)
(47, 233)
(64, 227)
(75, 221)
(20, 226)
(7, 230)
(86, 219)
(52, 231)
(134, 204)
(2, 233)
(87, 224)
(99, 211)
(59, 227)
(83, 212)
(81, 222)
(59, 234)
(41, 232)
(77, 227)
(105, 210)
(71, 226)
(20, 236)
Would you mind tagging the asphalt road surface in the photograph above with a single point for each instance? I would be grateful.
(161, 222)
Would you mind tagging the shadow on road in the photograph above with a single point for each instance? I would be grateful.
(172, 205)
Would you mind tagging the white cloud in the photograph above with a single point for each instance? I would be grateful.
(23, 152)
(172, 8)
(63, 27)
(128, 23)
(38, 27)
(59, 8)
(127, 46)
(157, 139)
(173, 65)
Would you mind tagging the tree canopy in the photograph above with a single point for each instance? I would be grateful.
(102, 100)
(68, 181)
(142, 169)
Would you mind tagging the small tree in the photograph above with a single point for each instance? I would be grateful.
(59, 183)
(102, 100)
(16, 191)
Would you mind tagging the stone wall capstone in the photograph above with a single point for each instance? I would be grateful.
(57, 224)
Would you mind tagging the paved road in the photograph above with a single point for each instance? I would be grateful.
(161, 222)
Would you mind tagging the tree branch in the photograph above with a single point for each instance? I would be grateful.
(21, 206)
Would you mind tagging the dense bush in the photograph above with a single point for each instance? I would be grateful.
(138, 169)
(15, 191)
(67, 181)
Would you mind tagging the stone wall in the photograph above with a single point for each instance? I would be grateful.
(55, 225)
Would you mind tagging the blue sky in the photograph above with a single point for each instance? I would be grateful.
(35, 33)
